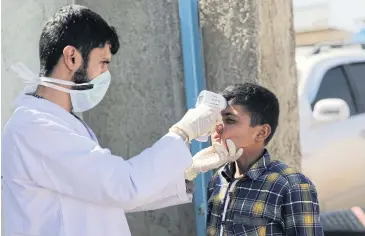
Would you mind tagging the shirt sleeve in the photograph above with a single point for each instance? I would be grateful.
(63, 161)
(301, 211)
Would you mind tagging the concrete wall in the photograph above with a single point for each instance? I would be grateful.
(146, 96)
(246, 40)
(277, 71)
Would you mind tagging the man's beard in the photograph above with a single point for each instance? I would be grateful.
(80, 77)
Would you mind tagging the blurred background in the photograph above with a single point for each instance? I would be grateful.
(311, 53)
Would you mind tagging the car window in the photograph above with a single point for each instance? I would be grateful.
(357, 72)
(335, 85)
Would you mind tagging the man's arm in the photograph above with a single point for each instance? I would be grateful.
(179, 192)
(81, 169)
(301, 211)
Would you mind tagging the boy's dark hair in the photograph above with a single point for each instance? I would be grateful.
(259, 102)
(76, 26)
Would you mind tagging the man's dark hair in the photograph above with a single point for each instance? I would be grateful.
(259, 102)
(76, 26)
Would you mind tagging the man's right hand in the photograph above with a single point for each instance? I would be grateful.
(198, 121)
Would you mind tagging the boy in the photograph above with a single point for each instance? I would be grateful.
(256, 195)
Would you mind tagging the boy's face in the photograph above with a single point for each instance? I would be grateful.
(236, 126)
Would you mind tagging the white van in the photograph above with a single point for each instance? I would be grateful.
(331, 95)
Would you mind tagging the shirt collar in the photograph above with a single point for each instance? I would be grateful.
(253, 173)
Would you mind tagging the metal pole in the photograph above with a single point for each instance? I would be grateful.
(194, 83)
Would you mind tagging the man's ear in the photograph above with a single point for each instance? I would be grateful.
(72, 58)
(263, 133)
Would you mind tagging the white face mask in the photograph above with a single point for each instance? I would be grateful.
(81, 100)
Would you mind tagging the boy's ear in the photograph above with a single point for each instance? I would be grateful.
(264, 132)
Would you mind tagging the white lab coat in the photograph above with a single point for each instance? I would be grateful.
(57, 180)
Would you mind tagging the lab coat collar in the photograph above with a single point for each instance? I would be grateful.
(47, 106)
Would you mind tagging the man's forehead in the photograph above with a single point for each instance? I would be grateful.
(103, 52)
(106, 51)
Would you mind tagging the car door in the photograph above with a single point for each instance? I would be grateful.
(333, 165)
(356, 75)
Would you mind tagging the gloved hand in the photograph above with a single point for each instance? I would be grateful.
(212, 157)
(198, 121)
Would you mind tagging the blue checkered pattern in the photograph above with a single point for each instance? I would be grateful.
(271, 199)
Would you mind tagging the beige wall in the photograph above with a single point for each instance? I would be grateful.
(313, 37)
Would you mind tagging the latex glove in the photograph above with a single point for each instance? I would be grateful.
(198, 121)
(212, 157)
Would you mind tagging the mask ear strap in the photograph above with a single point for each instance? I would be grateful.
(30, 79)
(60, 81)
(54, 86)
(28, 76)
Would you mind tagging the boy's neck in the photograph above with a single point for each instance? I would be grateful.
(249, 157)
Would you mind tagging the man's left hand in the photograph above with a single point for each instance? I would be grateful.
(212, 157)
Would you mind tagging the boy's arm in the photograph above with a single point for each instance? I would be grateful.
(301, 211)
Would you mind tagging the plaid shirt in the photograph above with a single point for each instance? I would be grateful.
(271, 199)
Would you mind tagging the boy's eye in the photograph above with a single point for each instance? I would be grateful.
(229, 121)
